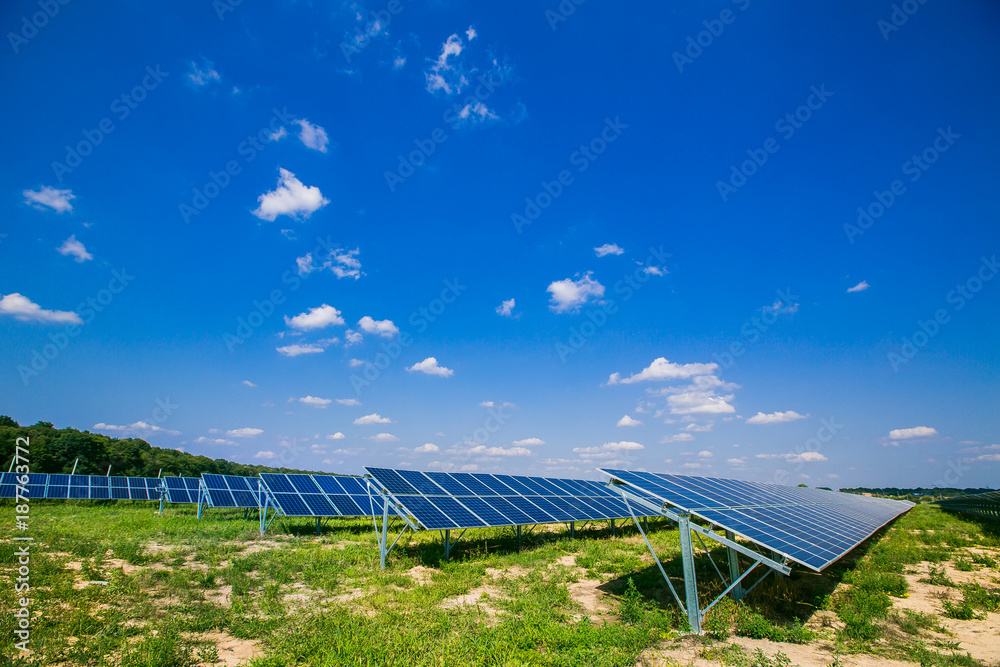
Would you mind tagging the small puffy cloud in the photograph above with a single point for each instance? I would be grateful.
(661, 369)
(312, 136)
(776, 417)
(699, 428)
(384, 328)
(296, 350)
(290, 198)
(383, 437)
(529, 442)
(471, 33)
(699, 402)
(427, 448)
(737, 463)
(72, 247)
(910, 433)
(487, 404)
(315, 401)
(608, 249)
(265, 455)
(678, 437)
(348, 401)
(344, 263)
(803, 457)
(203, 75)
(202, 440)
(354, 363)
(568, 295)
(860, 287)
(506, 308)
(446, 74)
(623, 445)
(374, 418)
(135, 426)
(336, 436)
(654, 271)
(705, 454)
(248, 383)
(24, 309)
(316, 318)
(986, 458)
(352, 337)
(483, 450)
(244, 432)
(278, 134)
(47, 197)
(430, 367)
(629, 421)
(476, 112)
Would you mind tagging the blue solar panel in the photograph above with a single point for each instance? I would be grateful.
(345, 494)
(809, 526)
(440, 500)
(310, 495)
(182, 489)
(230, 490)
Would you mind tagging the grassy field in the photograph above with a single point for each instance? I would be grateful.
(119, 585)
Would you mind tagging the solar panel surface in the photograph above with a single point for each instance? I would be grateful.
(231, 490)
(348, 494)
(810, 526)
(439, 500)
(981, 504)
(34, 489)
(181, 489)
(297, 495)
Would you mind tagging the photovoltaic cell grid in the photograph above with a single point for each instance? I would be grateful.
(181, 489)
(83, 487)
(439, 500)
(810, 526)
(981, 504)
(317, 495)
(231, 490)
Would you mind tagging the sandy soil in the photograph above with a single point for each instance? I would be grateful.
(232, 651)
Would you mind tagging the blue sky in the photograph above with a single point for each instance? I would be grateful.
(728, 238)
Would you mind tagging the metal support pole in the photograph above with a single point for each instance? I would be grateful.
(200, 494)
(572, 528)
(318, 532)
(734, 569)
(383, 545)
(690, 580)
(519, 538)
(108, 474)
(645, 523)
(447, 545)
(612, 526)
(74, 466)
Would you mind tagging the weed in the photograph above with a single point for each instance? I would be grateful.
(962, 611)
(963, 564)
(937, 577)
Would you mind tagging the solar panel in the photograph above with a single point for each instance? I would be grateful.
(439, 500)
(986, 505)
(348, 494)
(181, 489)
(231, 490)
(809, 526)
(296, 495)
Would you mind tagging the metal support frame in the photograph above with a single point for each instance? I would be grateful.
(612, 526)
(572, 529)
(265, 505)
(202, 497)
(693, 609)
(383, 536)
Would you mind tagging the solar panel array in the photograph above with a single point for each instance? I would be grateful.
(981, 504)
(83, 487)
(439, 500)
(810, 526)
(182, 489)
(317, 495)
(231, 491)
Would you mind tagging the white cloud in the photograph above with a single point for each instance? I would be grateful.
(705, 454)
(446, 73)
(738, 463)
(608, 249)
(202, 440)
(350, 451)
(202, 76)
(678, 437)
(24, 309)
(290, 198)
(661, 369)
(482, 450)
(354, 363)
(383, 437)
(374, 418)
(430, 367)
(348, 401)
(135, 426)
(803, 457)
(654, 271)
(629, 421)
(316, 318)
(569, 295)
(476, 112)
(49, 197)
(781, 307)
(623, 445)
(336, 436)
(278, 134)
(427, 448)
(296, 350)
(305, 264)
(915, 432)
(986, 458)
(860, 287)
(700, 402)
(266, 455)
(352, 337)
(699, 428)
(73, 247)
(471, 33)
(315, 401)
(529, 442)
(776, 417)
(344, 263)
(384, 328)
(506, 308)
(487, 404)
(692, 466)
(248, 383)
(244, 432)
(312, 136)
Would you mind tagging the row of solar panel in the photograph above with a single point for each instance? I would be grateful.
(80, 487)
(810, 526)
(317, 495)
(980, 504)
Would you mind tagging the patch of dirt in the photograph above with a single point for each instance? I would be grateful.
(350, 595)
(220, 596)
(73, 565)
(342, 544)
(421, 575)
(688, 651)
(260, 545)
(586, 592)
(474, 598)
(155, 548)
(303, 597)
(232, 651)
(515, 572)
